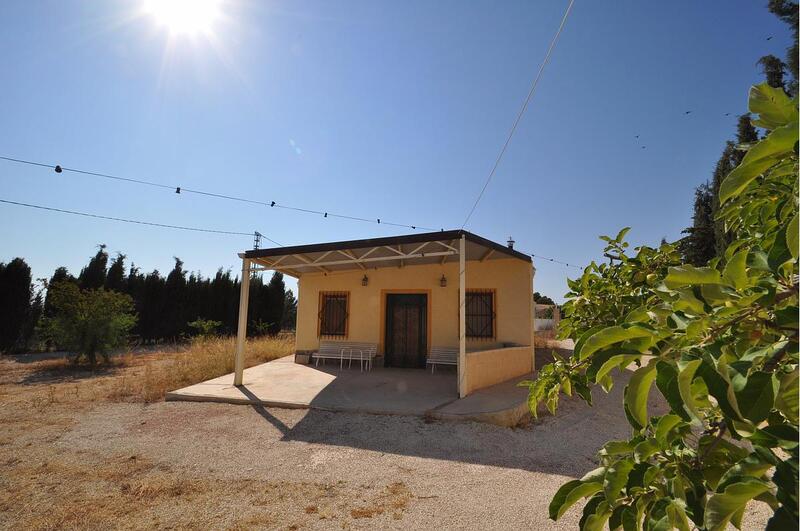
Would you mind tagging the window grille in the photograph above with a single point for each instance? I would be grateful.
(480, 315)
(333, 314)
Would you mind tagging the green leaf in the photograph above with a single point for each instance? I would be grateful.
(617, 448)
(792, 237)
(685, 377)
(677, 517)
(616, 477)
(614, 361)
(757, 397)
(772, 105)
(569, 494)
(735, 272)
(665, 426)
(597, 521)
(721, 507)
(645, 449)
(719, 385)
(763, 155)
(637, 391)
(609, 336)
(686, 275)
(631, 516)
(754, 465)
(787, 399)
(667, 383)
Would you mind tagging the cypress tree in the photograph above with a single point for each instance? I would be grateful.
(93, 276)
(174, 302)
(699, 246)
(289, 311)
(773, 68)
(115, 280)
(787, 12)
(16, 292)
(276, 298)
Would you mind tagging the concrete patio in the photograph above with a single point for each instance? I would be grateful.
(415, 392)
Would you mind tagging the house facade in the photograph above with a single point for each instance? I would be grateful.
(409, 295)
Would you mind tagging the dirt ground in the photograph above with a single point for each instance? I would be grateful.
(71, 457)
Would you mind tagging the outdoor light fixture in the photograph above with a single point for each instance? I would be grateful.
(443, 281)
(365, 280)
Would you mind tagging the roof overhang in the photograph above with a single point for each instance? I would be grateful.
(394, 251)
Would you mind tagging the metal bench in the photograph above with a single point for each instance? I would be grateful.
(346, 350)
(442, 356)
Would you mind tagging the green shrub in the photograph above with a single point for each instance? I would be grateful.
(88, 322)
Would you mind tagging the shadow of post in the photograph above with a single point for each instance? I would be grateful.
(261, 410)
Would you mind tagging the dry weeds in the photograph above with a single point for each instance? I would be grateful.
(137, 377)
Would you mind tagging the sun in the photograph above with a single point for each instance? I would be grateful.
(185, 17)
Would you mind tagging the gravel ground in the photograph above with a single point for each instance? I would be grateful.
(198, 465)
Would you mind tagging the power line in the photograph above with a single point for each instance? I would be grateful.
(137, 222)
(521, 111)
(182, 190)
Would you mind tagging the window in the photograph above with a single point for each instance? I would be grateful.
(333, 313)
(480, 314)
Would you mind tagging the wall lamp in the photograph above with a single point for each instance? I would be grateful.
(365, 280)
(443, 281)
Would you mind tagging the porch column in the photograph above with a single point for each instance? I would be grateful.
(462, 318)
(241, 334)
(533, 318)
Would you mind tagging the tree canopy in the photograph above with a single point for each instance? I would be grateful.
(719, 342)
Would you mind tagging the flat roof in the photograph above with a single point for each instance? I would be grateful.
(392, 251)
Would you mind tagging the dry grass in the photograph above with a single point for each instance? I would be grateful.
(47, 486)
(543, 338)
(136, 377)
(203, 360)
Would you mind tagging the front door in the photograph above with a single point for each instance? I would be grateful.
(406, 330)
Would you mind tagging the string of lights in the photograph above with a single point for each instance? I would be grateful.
(135, 221)
(184, 190)
(553, 260)
(60, 169)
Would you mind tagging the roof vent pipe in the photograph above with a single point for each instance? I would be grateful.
(510, 242)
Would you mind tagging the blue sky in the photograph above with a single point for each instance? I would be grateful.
(374, 109)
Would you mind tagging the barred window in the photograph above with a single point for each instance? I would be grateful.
(480, 316)
(333, 313)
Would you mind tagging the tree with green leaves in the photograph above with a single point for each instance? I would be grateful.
(538, 298)
(88, 322)
(718, 342)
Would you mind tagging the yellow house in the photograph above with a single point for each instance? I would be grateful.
(412, 299)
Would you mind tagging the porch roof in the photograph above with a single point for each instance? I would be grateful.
(411, 249)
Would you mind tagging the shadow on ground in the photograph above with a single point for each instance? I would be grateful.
(564, 444)
(66, 372)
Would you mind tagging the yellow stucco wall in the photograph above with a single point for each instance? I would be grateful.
(490, 367)
(511, 278)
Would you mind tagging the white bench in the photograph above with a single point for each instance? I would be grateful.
(442, 356)
(346, 350)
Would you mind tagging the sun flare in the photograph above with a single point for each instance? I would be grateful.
(184, 17)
